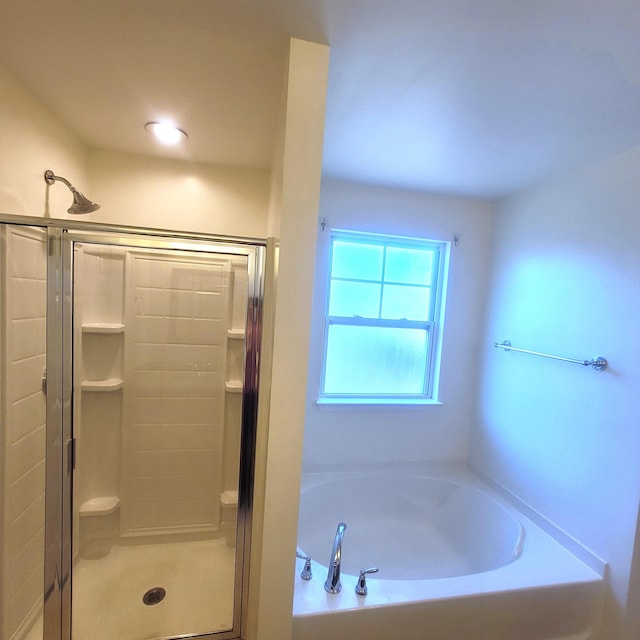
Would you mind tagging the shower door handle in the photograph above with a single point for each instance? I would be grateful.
(71, 455)
(44, 382)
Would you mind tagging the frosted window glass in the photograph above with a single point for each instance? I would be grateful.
(411, 303)
(375, 360)
(410, 266)
(354, 299)
(356, 261)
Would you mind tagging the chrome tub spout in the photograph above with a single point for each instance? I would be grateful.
(332, 583)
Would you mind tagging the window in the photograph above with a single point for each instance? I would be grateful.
(384, 304)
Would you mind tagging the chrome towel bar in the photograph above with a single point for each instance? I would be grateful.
(599, 363)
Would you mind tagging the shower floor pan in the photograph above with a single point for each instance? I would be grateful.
(197, 577)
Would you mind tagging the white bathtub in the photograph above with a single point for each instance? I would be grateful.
(456, 563)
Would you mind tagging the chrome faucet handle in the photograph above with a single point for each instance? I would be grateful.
(305, 574)
(361, 587)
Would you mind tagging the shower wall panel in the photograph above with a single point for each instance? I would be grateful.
(22, 427)
(98, 357)
(175, 359)
(235, 375)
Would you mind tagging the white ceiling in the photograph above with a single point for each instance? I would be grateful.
(471, 97)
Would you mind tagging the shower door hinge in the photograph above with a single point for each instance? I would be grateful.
(71, 455)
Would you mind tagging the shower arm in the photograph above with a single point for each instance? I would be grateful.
(50, 178)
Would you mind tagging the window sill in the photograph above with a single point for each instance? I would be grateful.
(377, 402)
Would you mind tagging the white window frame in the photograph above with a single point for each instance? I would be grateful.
(433, 325)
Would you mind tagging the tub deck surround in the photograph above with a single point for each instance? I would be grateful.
(518, 582)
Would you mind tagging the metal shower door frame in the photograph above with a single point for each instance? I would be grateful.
(59, 439)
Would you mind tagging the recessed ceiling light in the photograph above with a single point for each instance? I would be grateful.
(166, 133)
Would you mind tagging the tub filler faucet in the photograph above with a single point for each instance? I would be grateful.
(332, 583)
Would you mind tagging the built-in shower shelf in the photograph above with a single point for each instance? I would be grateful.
(233, 386)
(235, 334)
(102, 327)
(110, 384)
(101, 506)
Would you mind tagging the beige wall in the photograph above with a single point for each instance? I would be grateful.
(177, 195)
(297, 221)
(32, 140)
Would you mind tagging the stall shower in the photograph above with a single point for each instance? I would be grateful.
(128, 408)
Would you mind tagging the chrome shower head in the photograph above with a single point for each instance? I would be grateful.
(81, 204)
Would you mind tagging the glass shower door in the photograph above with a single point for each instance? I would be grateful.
(159, 352)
